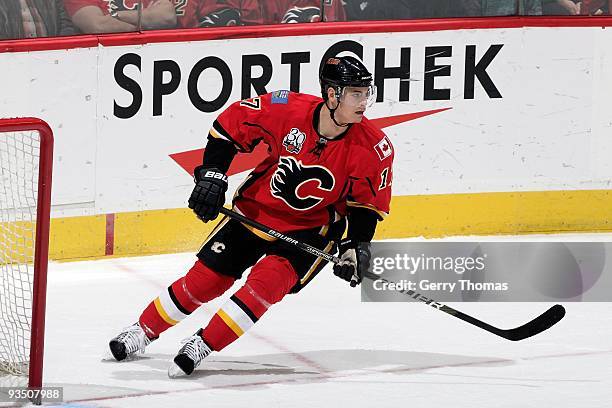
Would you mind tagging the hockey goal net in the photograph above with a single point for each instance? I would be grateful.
(26, 155)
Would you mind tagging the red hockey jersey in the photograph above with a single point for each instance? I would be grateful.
(72, 6)
(283, 11)
(189, 13)
(306, 181)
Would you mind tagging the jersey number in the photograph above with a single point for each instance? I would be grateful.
(179, 7)
(384, 179)
(253, 103)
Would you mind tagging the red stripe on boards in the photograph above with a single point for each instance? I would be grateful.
(110, 234)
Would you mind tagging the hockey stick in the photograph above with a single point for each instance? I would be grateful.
(273, 233)
(543, 322)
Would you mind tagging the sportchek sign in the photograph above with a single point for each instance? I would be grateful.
(254, 74)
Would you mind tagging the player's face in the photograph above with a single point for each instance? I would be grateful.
(354, 101)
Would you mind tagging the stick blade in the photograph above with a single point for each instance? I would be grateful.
(543, 322)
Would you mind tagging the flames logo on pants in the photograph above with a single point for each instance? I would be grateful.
(291, 174)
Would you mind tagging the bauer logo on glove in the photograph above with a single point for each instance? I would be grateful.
(216, 175)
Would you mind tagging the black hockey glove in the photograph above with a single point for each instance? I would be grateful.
(208, 195)
(355, 261)
(302, 15)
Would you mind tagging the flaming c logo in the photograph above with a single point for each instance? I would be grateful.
(291, 174)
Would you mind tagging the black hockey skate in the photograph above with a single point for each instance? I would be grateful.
(190, 356)
(130, 341)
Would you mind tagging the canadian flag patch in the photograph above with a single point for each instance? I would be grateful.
(383, 148)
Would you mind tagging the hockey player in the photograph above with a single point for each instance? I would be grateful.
(326, 163)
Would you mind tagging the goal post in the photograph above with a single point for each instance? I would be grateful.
(26, 159)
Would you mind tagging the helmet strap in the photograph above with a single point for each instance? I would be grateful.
(333, 117)
(332, 111)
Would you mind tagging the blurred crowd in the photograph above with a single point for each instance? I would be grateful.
(45, 18)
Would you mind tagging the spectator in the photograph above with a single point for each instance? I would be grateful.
(510, 7)
(560, 7)
(250, 12)
(309, 11)
(409, 9)
(111, 16)
(189, 13)
(34, 18)
(235, 12)
(443, 8)
(359, 10)
(595, 7)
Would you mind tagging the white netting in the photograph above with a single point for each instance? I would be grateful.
(19, 162)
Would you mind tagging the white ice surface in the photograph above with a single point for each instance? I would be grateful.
(322, 348)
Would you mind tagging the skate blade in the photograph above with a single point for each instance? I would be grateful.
(108, 357)
(175, 371)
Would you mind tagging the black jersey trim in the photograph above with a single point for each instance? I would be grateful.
(224, 133)
(371, 186)
(259, 127)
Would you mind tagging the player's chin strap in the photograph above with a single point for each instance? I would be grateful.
(333, 112)
(322, 142)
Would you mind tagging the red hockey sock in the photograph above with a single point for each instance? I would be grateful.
(179, 300)
(269, 281)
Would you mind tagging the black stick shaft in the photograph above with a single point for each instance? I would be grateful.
(273, 233)
(531, 328)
